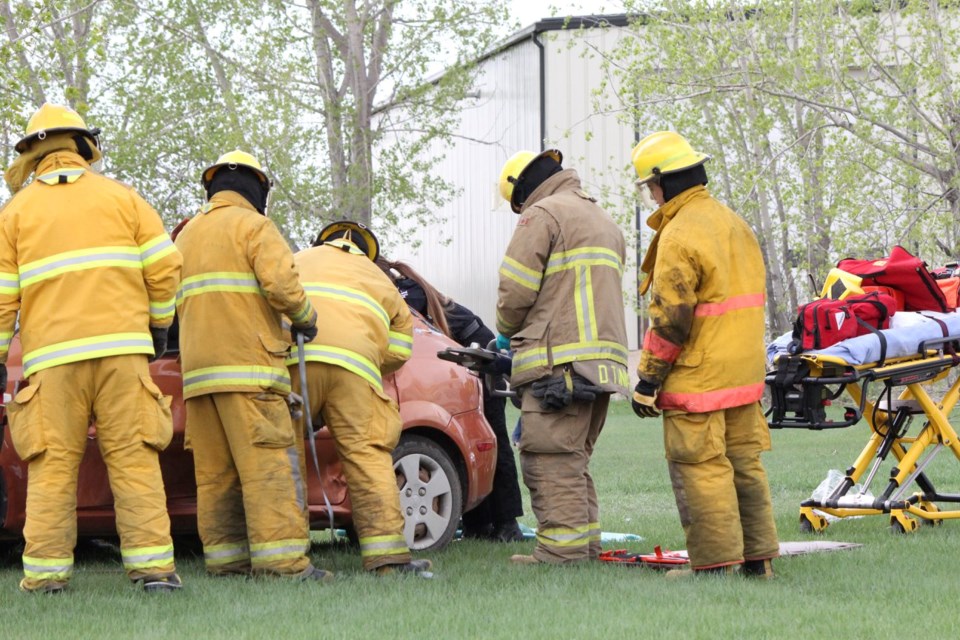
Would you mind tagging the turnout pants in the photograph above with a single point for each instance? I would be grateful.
(250, 491)
(49, 420)
(720, 484)
(365, 425)
(555, 450)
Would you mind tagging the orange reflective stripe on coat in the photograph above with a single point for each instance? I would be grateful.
(734, 303)
(710, 400)
(663, 349)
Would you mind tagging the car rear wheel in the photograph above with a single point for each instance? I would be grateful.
(431, 496)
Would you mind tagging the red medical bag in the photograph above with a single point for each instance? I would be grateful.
(824, 322)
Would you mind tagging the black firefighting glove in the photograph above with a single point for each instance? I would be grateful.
(3, 378)
(159, 335)
(645, 399)
(554, 393)
(309, 332)
(499, 366)
(584, 390)
(558, 393)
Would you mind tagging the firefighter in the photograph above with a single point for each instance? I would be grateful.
(561, 305)
(239, 278)
(702, 363)
(368, 334)
(88, 265)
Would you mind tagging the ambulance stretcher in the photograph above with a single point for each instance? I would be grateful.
(890, 394)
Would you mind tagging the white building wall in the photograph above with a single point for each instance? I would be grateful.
(462, 256)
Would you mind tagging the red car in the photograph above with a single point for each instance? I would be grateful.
(444, 462)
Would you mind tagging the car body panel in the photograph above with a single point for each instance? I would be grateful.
(436, 398)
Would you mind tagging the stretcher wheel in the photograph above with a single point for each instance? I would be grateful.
(812, 523)
(932, 522)
(901, 523)
(896, 528)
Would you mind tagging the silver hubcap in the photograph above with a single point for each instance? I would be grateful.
(426, 499)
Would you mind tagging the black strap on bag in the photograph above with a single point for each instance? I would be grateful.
(948, 347)
(882, 338)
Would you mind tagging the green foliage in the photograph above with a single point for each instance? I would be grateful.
(834, 126)
(175, 83)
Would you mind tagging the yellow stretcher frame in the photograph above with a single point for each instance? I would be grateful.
(804, 384)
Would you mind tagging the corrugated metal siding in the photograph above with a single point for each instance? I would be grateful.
(596, 144)
(507, 116)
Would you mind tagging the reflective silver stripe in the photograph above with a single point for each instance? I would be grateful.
(566, 261)
(295, 472)
(239, 552)
(572, 352)
(53, 568)
(585, 300)
(245, 376)
(341, 357)
(513, 272)
(30, 362)
(69, 175)
(355, 296)
(379, 546)
(276, 551)
(134, 261)
(147, 557)
(9, 283)
(240, 282)
(163, 245)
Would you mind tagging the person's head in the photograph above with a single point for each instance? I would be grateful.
(667, 165)
(344, 232)
(240, 172)
(524, 172)
(51, 128)
(419, 294)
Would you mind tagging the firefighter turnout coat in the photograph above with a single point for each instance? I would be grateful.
(87, 264)
(238, 280)
(705, 342)
(560, 298)
(366, 332)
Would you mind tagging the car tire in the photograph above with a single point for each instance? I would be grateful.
(431, 496)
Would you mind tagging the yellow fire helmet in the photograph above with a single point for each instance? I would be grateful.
(54, 118)
(664, 152)
(513, 170)
(232, 160)
(353, 231)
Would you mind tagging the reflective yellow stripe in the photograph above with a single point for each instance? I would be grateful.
(383, 546)
(304, 314)
(62, 176)
(221, 281)
(584, 257)
(572, 352)
(349, 360)
(501, 323)
(10, 283)
(595, 532)
(400, 344)
(147, 557)
(163, 310)
(233, 376)
(343, 245)
(219, 554)
(346, 294)
(79, 260)
(6, 337)
(521, 274)
(156, 249)
(267, 552)
(113, 344)
(583, 301)
(564, 537)
(47, 568)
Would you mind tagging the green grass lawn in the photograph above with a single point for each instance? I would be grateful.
(893, 585)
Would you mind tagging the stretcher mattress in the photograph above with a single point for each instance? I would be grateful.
(907, 330)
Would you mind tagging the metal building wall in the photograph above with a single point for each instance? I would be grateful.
(461, 257)
(593, 142)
